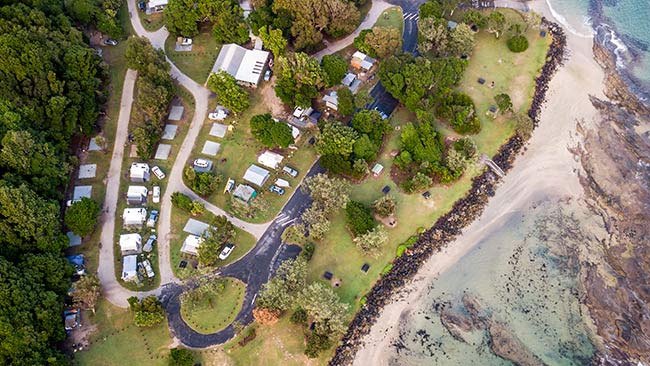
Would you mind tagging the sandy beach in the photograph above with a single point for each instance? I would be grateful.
(546, 169)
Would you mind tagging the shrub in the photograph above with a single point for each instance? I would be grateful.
(181, 357)
(400, 250)
(148, 312)
(182, 201)
(316, 343)
(308, 251)
(81, 217)
(385, 206)
(359, 218)
(518, 44)
(299, 316)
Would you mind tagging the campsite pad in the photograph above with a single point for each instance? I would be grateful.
(211, 148)
(93, 145)
(81, 192)
(87, 171)
(162, 153)
(170, 132)
(218, 130)
(195, 227)
(176, 113)
(181, 48)
(73, 239)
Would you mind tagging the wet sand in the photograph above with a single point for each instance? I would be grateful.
(547, 169)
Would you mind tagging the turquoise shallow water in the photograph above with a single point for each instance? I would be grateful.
(622, 25)
(524, 277)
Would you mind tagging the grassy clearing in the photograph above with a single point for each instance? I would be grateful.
(391, 18)
(213, 309)
(114, 57)
(243, 241)
(197, 63)
(184, 98)
(151, 22)
(117, 340)
(239, 150)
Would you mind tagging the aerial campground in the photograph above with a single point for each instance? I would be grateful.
(319, 182)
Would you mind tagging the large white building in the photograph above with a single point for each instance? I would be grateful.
(247, 66)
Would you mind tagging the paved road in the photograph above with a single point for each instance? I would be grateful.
(254, 269)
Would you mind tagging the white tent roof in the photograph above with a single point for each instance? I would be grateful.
(244, 192)
(137, 191)
(256, 175)
(295, 132)
(282, 183)
(155, 3)
(134, 215)
(270, 159)
(130, 242)
(191, 244)
(245, 65)
(129, 267)
(378, 168)
(139, 170)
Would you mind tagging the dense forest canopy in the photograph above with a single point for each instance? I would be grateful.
(50, 92)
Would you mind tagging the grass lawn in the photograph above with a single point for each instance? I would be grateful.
(391, 18)
(114, 57)
(243, 241)
(213, 308)
(196, 63)
(184, 98)
(278, 344)
(239, 149)
(117, 339)
(151, 22)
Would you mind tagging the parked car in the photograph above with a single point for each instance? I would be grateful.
(110, 42)
(186, 42)
(298, 112)
(276, 189)
(148, 246)
(156, 194)
(71, 202)
(142, 6)
(220, 113)
(267, 75)
(226, 251)
(158, 172)
(201, 163)
(145, 268)
(153, 217)
(291, 171)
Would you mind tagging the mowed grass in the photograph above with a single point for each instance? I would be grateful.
(196, 63)
(185, 99)
(243, 241)
(214, 311)
(391, 18)
(117, 341)
(151, 22)
(278, 344)
(239, 149)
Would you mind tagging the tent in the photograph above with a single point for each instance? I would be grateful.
(256, 175)
(244, 192)
(130, 243)
(191, 244)
(270, 159)
(129, 267)
(134, 216)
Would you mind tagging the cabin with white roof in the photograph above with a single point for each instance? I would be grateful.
(246, 66)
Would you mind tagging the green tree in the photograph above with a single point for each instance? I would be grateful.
(316, 221)
(362, 99)
(322, 305)
(467, 148)
(281, 291)
(215, 237)
(331, 193)
(229, 93)
(361, 44)
(336, 138)
(148, 311)
(518, 43)
(86, 292)
(182, 201)
(384, 41)
(181, 17)
(503, 102)
(371, 123)
(359, 218)
(385, 206)
(433, 36)
(298, 79)
(228, 25)
(335, 67)
(365, 149)
(474, 17)
(431, 9)
(81, 217)
(269, 132)
(181, 357)
(273, 40)
(372, 241)
(496, 23)
(346, 101)
(461, 40)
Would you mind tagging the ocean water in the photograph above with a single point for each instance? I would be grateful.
(524, 278)
(623, 26)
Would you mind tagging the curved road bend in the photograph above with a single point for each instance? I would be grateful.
(254, 269)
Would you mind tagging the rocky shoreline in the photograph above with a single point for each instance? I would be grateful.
(449, 226)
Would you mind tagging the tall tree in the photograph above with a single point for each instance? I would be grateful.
(273, 40)
(336, 138)
(496, 23)
(299, 77)
(335, 67)
(461, 40)
(433, 36)
(323, 305)
(81, 217)
(269, 132)
(384, 41)
(331, 193)
(230, 94)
